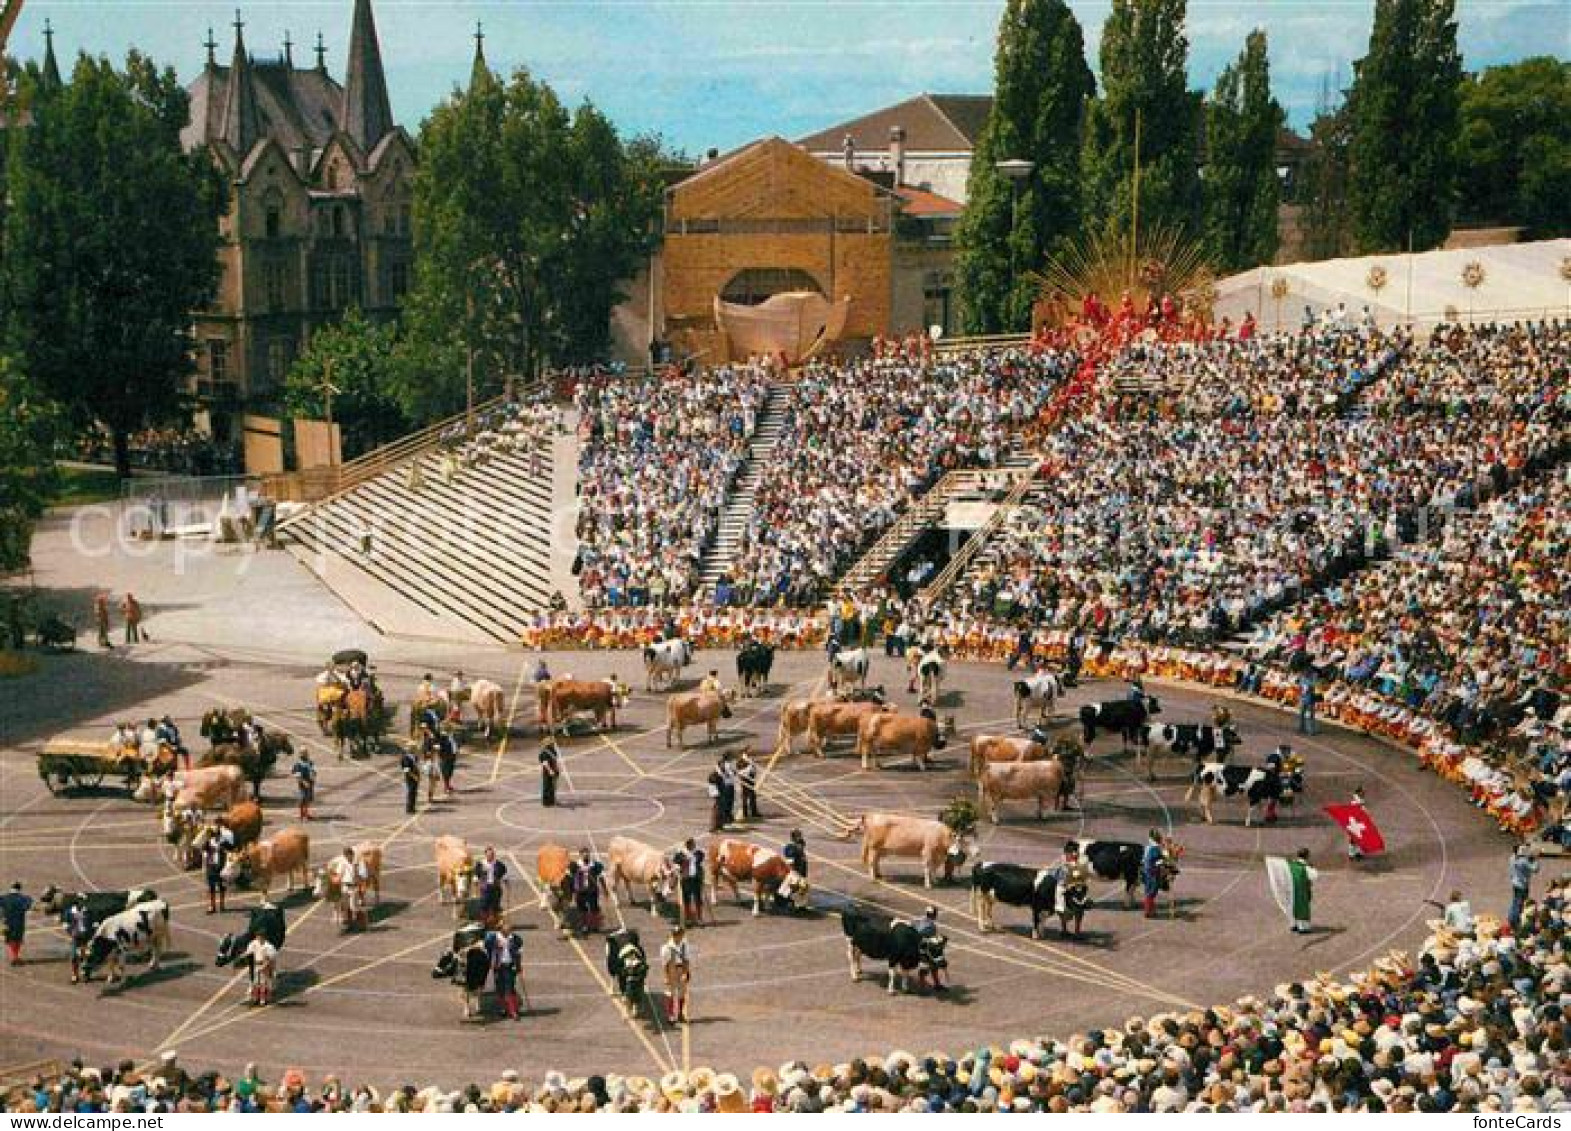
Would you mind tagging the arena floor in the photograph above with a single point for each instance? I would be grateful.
(364, 1006)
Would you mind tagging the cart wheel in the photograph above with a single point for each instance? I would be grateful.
(54, 781)
(88, 777)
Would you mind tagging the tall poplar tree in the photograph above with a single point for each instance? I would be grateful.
(1241, 186)
(1011, 228)
(1405, 109)
(1144, 61)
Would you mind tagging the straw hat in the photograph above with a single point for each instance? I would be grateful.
(639, 1085)
(701, 1079)
(728, 1094)
(673, 1085)
(765, 1081)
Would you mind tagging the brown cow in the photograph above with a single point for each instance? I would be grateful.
(455, 866)
(552, 865)
(989, 748)
(213, 787)
(185, 828)
(1053, 780)
(915, 736)
(366, 869)
(895, 834)
(630, 861)
(737, 861)
(286, 853)
(694, 708)
(561, 699)
(821, 719)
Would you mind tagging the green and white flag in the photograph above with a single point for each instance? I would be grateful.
(1291, 882)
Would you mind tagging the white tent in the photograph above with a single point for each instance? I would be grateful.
(1518, 281)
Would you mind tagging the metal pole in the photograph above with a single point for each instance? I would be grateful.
(1134, 221)
(469, 368)
(327, 399)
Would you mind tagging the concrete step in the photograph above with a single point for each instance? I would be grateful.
(737, 514)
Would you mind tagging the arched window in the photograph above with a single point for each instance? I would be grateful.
(273, 213)
(754, 285)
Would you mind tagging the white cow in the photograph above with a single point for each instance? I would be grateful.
(848, 669)
(1041, 690)
(664, 661)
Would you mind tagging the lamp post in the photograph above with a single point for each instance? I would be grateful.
(1015, 170)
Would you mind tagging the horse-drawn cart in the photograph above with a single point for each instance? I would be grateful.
(71, 764)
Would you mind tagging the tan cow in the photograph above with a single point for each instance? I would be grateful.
(630, 861)
(990, 748)
(553, 863)
(913, 736)
(490, 703)
(822, 719)
(737, 861)
(455, 866)
(697, 708)
(895, 834)
(286, 853)
(1050, 781)
(211, 787)
(368, 866)
(561, 699)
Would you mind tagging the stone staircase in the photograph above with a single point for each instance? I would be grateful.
(926, 512)
(467, 559)
(737, 514)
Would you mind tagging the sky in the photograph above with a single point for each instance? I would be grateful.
(704, 73)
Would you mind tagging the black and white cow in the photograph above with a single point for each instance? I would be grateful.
(1041, 690)
(1202, 741)
(1018, 886)
(100, 904)
(872, 935)
(848, 669)
(628, 965)
(1256, 784)
(467, 964)
(132, 933)
(1114, 860)
(1124, 717)
(754, 661)
(266, 921)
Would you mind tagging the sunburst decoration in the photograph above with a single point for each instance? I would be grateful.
(1279, 288)
(1166, 262)
(1473, 275)
(1377, 278)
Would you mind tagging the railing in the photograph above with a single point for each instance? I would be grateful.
(966, 553)
(893, 540)
(980, 341)
(318, 485)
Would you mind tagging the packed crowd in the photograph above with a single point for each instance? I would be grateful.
(511, 427)
(1252, 475)
(659, 453)
(1478, 1024)
(860, 441)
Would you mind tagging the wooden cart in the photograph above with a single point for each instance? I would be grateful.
(71, 764)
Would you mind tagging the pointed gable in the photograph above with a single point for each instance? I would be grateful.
(775, 180)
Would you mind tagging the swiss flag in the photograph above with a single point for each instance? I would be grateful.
(1359, 827)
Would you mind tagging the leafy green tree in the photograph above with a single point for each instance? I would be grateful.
(111, 239)
(1009, 229)
(28, 424)
(1515, 148)
(526, 219)
(356, 357)
(1405, 110)
(1241, 186)
(1144, 61)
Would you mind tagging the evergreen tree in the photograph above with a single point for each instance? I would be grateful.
(1144, 61)
(356, 357)
(1241, 187)
(1010, 229)
(111, 240)
(1327, 232)
(1405, 116)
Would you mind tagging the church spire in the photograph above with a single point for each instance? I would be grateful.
(367, 115)
(479, 70)
(212, 50)
(51, 68)
(289, 51)
(242, 122)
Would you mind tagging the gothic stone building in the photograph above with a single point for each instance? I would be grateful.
(318, 220)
